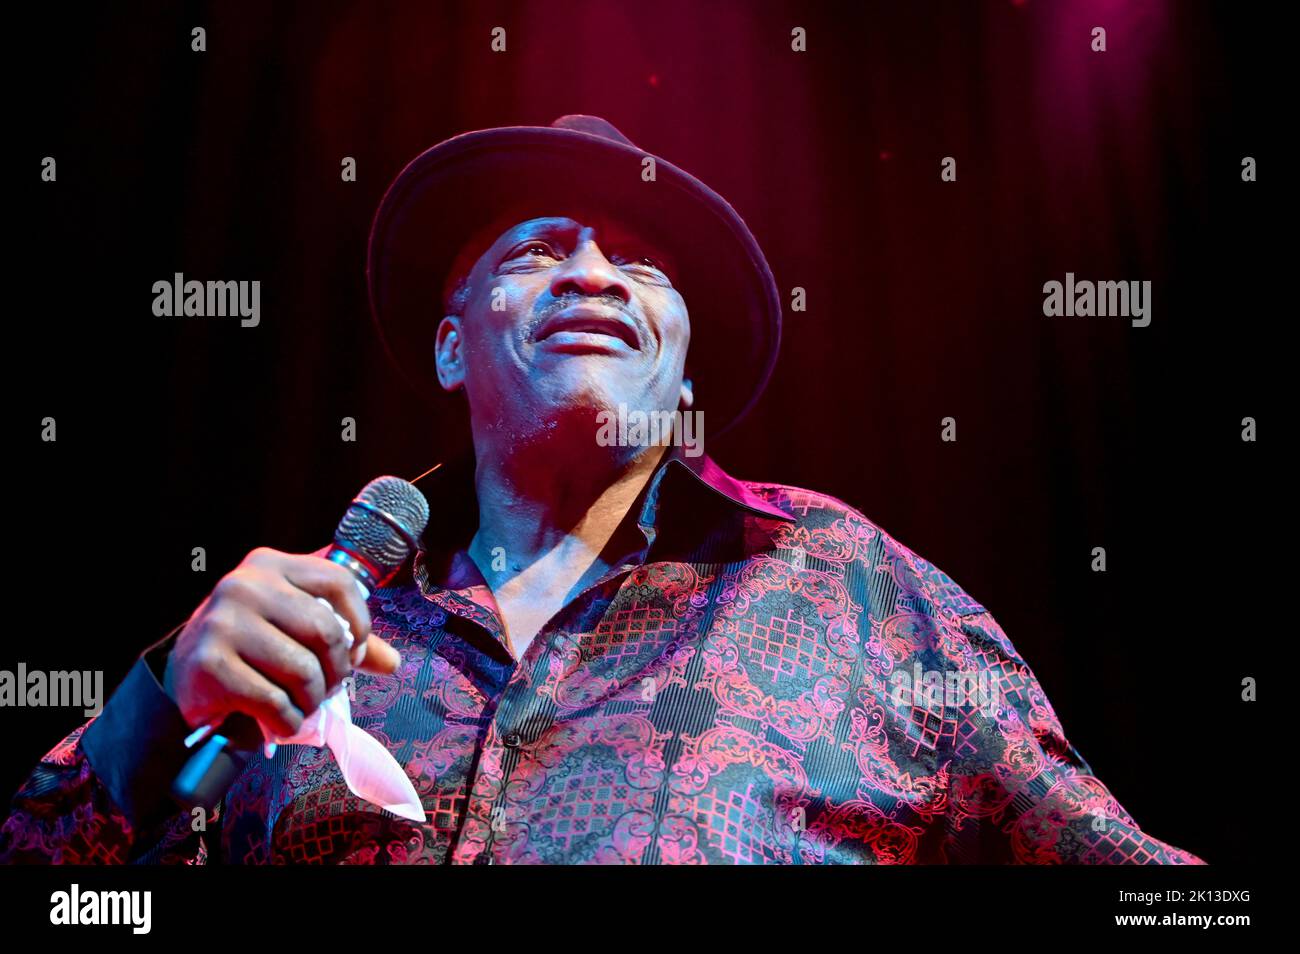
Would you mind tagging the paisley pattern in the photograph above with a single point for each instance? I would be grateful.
(729, 696)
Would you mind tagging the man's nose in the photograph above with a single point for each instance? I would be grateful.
(588, 272)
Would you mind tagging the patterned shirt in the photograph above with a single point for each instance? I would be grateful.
(770, 679)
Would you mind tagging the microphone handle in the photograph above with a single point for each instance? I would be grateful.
(223, 751)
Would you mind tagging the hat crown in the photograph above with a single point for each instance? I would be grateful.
(592, 126)
(577, 161)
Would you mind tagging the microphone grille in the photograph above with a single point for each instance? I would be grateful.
(384, 523)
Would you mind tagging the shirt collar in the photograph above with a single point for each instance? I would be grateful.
(450, 568)
(711, 476)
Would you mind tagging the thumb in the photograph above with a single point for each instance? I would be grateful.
(377, 657)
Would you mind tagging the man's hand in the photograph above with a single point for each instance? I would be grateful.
(263, 645)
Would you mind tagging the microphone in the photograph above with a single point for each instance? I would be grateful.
(377, 533)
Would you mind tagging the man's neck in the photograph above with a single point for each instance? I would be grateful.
(545, 524)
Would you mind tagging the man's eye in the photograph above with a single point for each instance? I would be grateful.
(647, 261)
(531, 248)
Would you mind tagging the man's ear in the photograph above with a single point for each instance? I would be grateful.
(688, 395)
(449, 354)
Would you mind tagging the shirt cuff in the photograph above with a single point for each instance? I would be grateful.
(136, 745)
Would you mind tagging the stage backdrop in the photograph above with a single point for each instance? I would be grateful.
(924, 301)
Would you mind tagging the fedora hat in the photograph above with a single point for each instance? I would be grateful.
(457, 188)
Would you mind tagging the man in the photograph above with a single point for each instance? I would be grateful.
(630, 656)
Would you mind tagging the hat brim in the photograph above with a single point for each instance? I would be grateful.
(462, 184)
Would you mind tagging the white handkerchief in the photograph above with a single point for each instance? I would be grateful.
(368, 768)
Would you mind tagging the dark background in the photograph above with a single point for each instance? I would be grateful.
(924, 301)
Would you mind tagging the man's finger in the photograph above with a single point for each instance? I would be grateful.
(285, 662)
(320, 577)
(312, 621)
(257, 696)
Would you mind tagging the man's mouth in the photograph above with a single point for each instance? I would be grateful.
(589, 319)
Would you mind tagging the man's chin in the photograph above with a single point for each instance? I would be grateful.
(584, 417)
(582, 397)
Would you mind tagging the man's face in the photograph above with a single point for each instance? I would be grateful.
(565, 318)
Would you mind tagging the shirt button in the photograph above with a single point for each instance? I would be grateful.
(512, 740)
